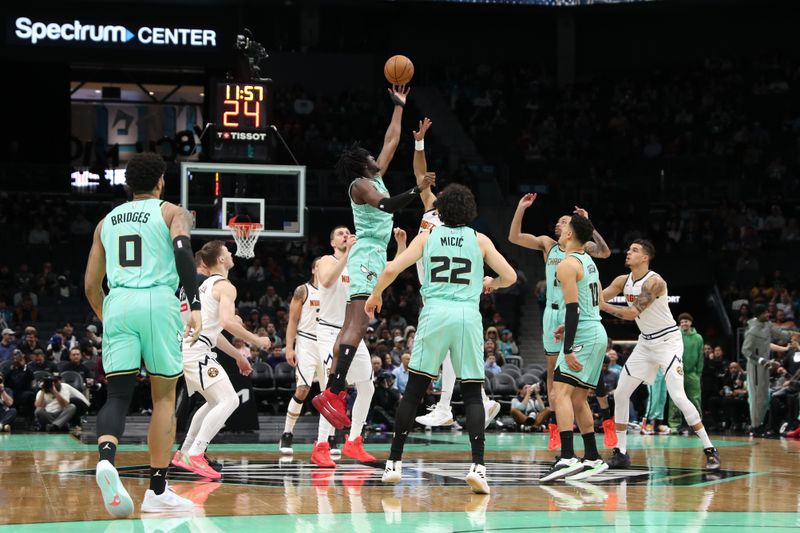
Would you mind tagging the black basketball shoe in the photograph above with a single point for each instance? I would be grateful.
(712, 459)
(285, 445)
(619, 459)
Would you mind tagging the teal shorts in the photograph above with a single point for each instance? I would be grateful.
(142, 325)
(550, 321)
(365, 262)
(590, 349)
(449, 327)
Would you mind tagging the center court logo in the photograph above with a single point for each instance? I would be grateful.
(75, 31)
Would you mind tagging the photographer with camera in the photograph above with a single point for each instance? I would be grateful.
(527, 408)
(7, 413)
(57, 403)
(384, 401)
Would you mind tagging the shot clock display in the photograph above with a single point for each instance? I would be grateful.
(239, 112)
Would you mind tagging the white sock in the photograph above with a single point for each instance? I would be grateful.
(223, 401)
(703, 434)
(364, 391)
(325, 430)
(194, 427)
(622, 441)
(448, 382)
(292, 415)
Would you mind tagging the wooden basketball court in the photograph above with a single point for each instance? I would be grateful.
(47, 484)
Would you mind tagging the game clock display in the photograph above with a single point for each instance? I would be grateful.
(240, 116)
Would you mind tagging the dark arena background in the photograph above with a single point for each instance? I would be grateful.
(677, 122)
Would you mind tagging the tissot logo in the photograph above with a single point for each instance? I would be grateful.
(241, 136)
(76, 31)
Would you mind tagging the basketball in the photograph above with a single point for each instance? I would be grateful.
(398, 70)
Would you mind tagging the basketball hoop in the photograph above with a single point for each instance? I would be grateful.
(245, 234)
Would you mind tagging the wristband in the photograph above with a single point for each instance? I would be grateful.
(419, 145)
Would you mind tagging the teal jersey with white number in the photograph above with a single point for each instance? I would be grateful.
(371, 222)
(588, 289)
(138, 247)
(453, 264)
(553, 292)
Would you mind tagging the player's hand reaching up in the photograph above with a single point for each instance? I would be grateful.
(573, 363)
(581, 212)
(245, 368)
(429, 180)
(526, 201)
(373, 305)
(399, 94)
(424, 124)
(193, 327)
(400, 237)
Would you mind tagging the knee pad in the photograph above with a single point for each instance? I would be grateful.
(111, 418)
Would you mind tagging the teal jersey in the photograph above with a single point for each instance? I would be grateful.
(371, 222)
(138, 247)
(554, 257)
(453, 264)
(588, 290)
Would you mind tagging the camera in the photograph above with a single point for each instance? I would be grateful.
(249, 54)
(47, 383)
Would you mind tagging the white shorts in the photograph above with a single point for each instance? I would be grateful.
(648, 355)
(360, 369)
(309, 363)
(201, 369)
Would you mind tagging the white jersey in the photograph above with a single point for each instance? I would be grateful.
(307, 326)
(657, 319)
(333, 300)
(430, 219)
(212, 326)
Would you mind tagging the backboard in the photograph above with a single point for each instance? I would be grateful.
(271, 195)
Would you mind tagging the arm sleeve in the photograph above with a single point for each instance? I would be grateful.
(187, 273)
(397, 202)
(570, 326)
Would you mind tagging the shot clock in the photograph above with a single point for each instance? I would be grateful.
(240, 111)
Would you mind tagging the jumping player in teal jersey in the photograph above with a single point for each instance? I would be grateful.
(581, 359)
(373, 217)
(554, 312)
(453, 257)
(143, 247)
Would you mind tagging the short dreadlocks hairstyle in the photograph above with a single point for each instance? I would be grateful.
(456, 205)
(143, 171)
(582, 227)
(351, 163)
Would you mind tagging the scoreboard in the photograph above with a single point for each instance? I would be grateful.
(240, 114)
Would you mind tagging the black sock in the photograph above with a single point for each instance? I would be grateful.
(567, 451)
(406, 412)
(398, 443)
(590, 447)
(158, 480)
(108, 451)
(337, 381)
(476, 419)
(605, 414)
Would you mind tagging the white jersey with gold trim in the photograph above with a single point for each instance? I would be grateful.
(657, 319)
(333, 300)
(309, 315)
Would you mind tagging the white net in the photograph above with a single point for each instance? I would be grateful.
(245, 235)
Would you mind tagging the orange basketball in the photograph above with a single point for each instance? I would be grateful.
(398, 70)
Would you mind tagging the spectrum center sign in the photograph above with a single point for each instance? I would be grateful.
(52, 33)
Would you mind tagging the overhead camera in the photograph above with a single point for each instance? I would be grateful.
(250, 53)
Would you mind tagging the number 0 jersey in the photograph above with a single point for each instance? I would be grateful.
(453, 265)
(138, 247)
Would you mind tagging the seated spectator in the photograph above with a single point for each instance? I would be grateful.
(384, 401)
(30, 343)
(613, 361)
(491, 334)
(19, 379)
(388, 364)
(6, 315)
(491, 364)
(255, 272)
(506, 344)
(397, 321)
(39, 363)
(246, 303)
(271, 301)
(272, 333)
(398, 349)
(784, 397)
(490, 348)
(240, 345)
(731, 403)
(26, 311)
(70, 341)
(714, 369)
(75, 364)
(56, 350)
(7, 413)
(64, 290)
(401, 373)
(527, 408)
(410, 335)
(54, 410)
(256, 355)
(7, 345)
(377, 366)
(276, 356)
(782, 322)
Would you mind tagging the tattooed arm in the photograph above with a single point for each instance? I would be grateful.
(653, 288)
(597, 247)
